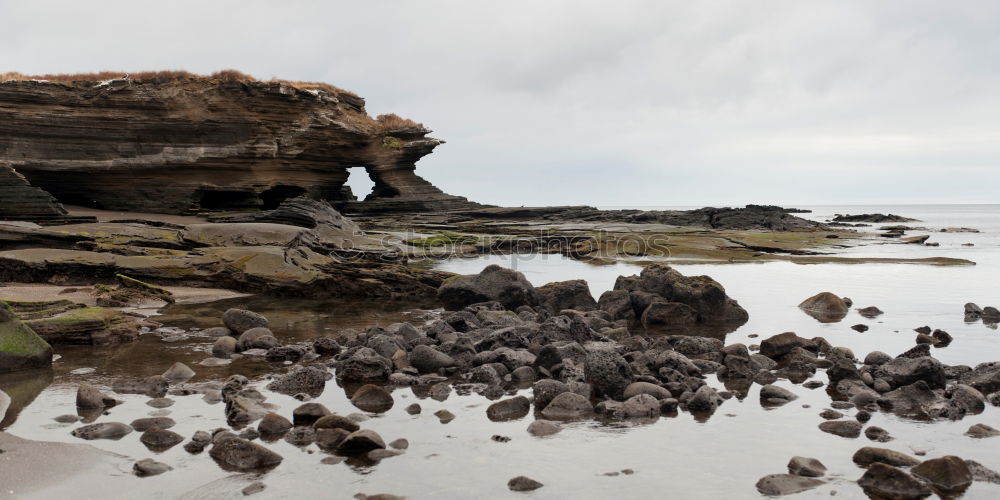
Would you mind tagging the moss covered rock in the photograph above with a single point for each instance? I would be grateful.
(87, 325)
(20, 347)
(130, 292)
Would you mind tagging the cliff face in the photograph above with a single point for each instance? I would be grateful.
(200, 143)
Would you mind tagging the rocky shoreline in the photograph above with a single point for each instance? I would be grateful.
(245, 182)
(583, 359)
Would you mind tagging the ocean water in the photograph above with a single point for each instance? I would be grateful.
(674, 456)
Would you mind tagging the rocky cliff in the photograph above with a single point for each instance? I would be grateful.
(192, 143)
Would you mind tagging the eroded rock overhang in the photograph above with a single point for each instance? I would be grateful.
(201, 144)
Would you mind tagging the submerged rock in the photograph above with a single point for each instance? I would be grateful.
(141, 424)
(522, 483)
(273, 424)
(103, 430)
(568, 406)
(234, 453)
(808, 467)
(886, 481)
(241, 320)
(158, 439)
(950, 473)
(508, 409)
(361, 441)
(842, 428)
(869, 455)
(541, 428)
(786, 484)
(981, 431)
(89, 397)
(372, 398)
(178, 372)
(149, 467)
(825, 307)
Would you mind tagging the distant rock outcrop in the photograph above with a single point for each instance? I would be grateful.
(876, 218)
(189, 143)
(762, 217)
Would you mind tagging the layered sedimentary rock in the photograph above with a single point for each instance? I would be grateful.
(200, 143)
(21, 201)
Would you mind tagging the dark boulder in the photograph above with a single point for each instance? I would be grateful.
(361, 441)
(241, 320)
(869, 455)
(905, 371)
(427, 359)
(372, 398)
(522, 483)
(494, 283)
(703, 295)
(608, 372)
(886, 481)
(985, 377)
(825, 307)
(508, 409)
(777, 346)
(842, 428)
(950, 473)
(364, 365)
(309, 380)
(560, 295)
(237, 454)
(568, 406)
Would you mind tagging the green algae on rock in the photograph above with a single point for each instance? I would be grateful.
(20, 347)
(87, 325)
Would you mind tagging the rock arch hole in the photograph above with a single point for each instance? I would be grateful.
(360, 182)
(271, 198)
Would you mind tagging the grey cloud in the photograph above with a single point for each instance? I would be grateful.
(631, 102)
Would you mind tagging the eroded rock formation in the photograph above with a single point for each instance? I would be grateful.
(19, 200)
(203, 143)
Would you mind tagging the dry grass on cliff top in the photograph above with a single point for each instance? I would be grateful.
(381, 124)
(392, 121)
(227, 75)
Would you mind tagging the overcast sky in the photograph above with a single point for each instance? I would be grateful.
(605, 103)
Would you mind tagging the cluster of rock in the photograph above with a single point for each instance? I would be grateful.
(579, 363)
(988, 314)
(885, 475)
(658, 297)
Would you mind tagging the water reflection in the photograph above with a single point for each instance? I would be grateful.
(22, 388)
